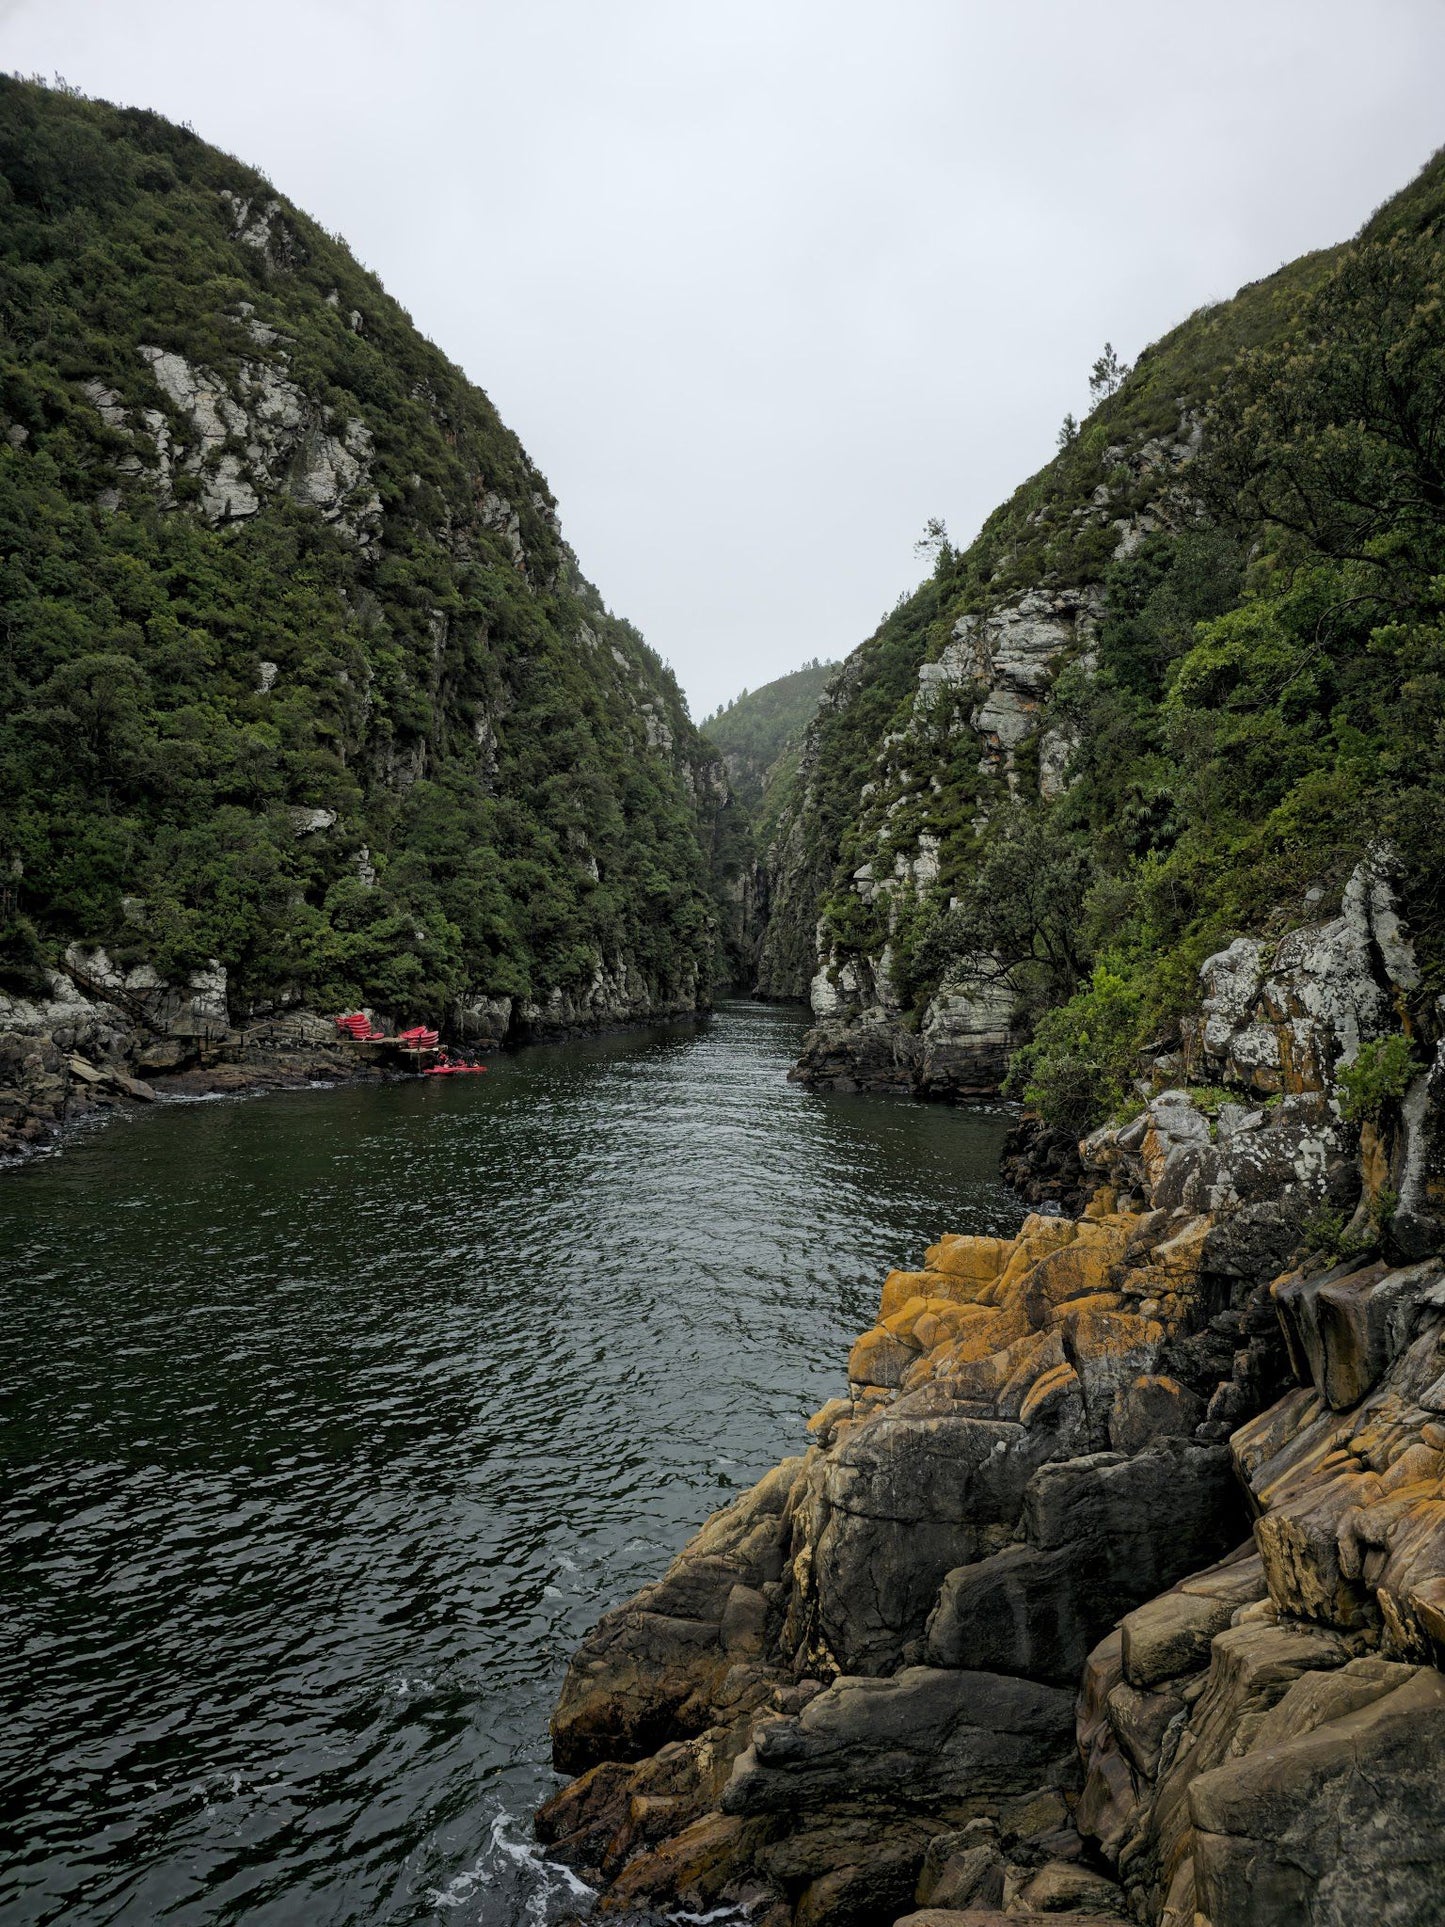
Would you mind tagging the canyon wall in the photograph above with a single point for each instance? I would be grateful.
(303, 684)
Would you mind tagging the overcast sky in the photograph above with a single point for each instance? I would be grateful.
(763, 284)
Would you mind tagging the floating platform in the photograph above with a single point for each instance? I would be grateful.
(390, 1051)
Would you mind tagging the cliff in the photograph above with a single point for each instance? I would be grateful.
(760, 736)
(303, 691)
(1167, 696)
(1115, 1586)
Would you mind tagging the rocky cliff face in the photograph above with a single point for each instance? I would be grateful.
(1117, 730)
(1115, 1586)
(977, 726)
(100, 1036)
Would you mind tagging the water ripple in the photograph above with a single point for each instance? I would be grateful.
(332, 1420)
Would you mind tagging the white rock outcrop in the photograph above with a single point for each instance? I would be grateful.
(245, 438)
(195, 1007)
(1286, 1017)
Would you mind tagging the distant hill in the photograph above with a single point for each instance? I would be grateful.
(760, 732)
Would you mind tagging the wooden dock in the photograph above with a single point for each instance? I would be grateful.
(392, 1055)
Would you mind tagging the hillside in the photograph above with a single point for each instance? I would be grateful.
(760, 734)
(1170, 695)
(301, 680)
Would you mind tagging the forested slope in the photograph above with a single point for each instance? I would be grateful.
(760, 734)
(1173, 691)
(298, 673)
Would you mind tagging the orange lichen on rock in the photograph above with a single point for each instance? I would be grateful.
(1070, 1330)
(975, 1260)
(968, 1325)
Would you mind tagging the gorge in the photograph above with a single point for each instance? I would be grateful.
(1109, 1580)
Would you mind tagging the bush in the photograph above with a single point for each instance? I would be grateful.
(1379, 1076)
(1081, 1063)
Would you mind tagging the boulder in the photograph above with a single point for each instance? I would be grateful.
(1346, 1327)
(904, 1499)
(647, 1672)
(1344, 1823)
(1171, 1635)
(1352, 1530)
(1283, 1018)
(962, 1869)
(923, 1735)
(1066, 1887)
(1153, 1406)
(1095, 1544)
(875, 1054)
(1251, 1667)
(960, 1509)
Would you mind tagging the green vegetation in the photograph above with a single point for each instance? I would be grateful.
(391, 748)
(874, 684)
(1380, 1076)
(1261, 701)
(760, 734)
(1268, 696)
(1083, 1057)
(1330, 1236)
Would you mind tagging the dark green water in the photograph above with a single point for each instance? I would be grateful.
(331, 1420)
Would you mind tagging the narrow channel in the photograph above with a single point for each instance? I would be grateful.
(331, 1420)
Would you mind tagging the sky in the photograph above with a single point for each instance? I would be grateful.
(764, 285)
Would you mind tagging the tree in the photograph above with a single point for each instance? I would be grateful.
(934, 542)
(1019, 918)
(1107, 373)
(1339, 435)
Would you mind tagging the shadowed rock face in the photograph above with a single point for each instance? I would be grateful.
(1266, 1744)
(1298, 1830)
(653, 1670)
(923, 1735)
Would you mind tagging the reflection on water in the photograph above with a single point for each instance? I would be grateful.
(331, 1420)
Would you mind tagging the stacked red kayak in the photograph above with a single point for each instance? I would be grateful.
(358, 1027)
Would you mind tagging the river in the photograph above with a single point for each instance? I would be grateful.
(332, 1419)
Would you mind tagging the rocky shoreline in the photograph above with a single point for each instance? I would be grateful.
(104, 1037)
(48, 1086)
(1115, 1586)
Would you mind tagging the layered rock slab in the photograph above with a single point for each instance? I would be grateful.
(1264, 1743)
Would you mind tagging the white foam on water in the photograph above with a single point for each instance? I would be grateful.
(546, 1880)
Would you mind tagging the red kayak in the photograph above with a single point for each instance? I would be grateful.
(455, 1070)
